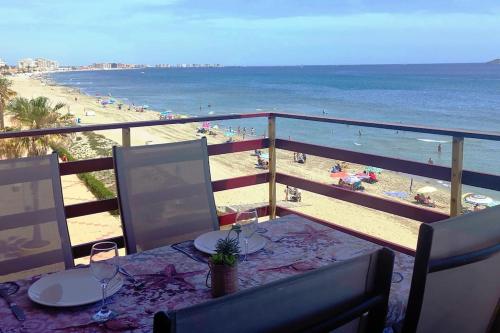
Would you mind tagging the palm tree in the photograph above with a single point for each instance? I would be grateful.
(37, 113)
(5, 95)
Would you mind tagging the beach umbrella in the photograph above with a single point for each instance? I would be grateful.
(340, 174)
(426, 189)
(478, 199)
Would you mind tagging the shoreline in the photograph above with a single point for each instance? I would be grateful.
(390, 227)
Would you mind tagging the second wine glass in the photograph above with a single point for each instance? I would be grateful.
(104, 266)
(247, 220)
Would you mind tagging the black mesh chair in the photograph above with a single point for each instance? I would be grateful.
(350, 296)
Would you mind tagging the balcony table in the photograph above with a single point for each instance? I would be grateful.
(176, 278)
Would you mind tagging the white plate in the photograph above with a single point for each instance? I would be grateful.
(206, 242)
(70, 288)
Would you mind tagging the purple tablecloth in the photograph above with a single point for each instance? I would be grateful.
(175, 278)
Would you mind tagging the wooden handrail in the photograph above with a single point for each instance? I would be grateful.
(454, 174)
(483, 135)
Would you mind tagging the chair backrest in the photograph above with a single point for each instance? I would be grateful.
(34, 235)
(456, 278)
(164, 193)
(348, 296)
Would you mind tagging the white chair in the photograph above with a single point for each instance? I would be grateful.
(34, 235)
(164, 193)
(456, 278)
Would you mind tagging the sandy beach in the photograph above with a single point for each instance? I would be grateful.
(392, 228)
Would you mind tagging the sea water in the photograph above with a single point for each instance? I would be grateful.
(465, 96)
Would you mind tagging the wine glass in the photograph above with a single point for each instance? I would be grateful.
(104, 266)
(247, 220)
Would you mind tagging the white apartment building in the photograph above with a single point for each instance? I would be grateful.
(26, 64)
(102, 66)
(2, 63)
(39, 64)
(42, 64)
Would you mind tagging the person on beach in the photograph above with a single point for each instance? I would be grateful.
(359, 133)
(430, 161)
(439, 148)
(252, 131)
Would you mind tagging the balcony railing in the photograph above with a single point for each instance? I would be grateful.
(454, 174)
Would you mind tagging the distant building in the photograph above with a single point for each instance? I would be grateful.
(37, 65)
(102, 66)
(42, 65)
(26, 65)
(2, 63)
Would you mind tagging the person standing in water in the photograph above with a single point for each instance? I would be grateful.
(439, 148)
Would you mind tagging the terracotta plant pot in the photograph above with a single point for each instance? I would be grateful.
(223, 278)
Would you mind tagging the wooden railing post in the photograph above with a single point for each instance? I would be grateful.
(272, 165)
(457, 160)
(126, 137)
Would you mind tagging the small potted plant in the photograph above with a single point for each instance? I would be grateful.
(224, 266)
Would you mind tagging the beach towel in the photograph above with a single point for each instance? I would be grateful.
(340, 174)
(396, 194)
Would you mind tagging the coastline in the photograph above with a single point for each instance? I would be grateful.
(392, 228)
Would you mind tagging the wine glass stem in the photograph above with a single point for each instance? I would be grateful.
(104, 308)
(246, 249)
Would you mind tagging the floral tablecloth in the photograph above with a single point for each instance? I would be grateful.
(174, 277)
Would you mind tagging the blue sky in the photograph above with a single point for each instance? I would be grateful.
(251, 32)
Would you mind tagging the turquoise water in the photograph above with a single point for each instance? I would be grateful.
(453, 95)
